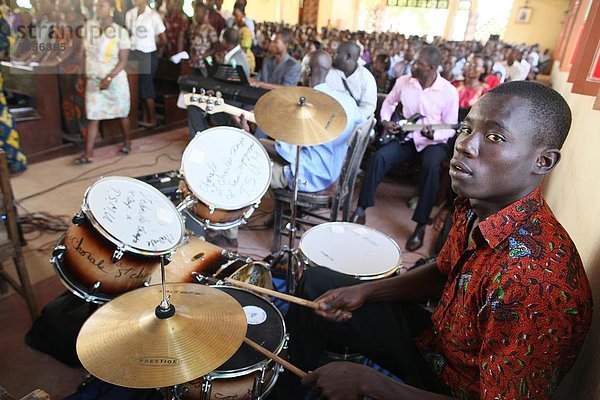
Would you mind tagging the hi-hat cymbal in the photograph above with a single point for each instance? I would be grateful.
(125, 344)
(282, 116)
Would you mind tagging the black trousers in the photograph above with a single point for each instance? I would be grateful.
(383, 332)
(147, 66)
(395, 153)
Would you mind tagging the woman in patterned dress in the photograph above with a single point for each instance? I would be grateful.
(9, 137)
(107, 92)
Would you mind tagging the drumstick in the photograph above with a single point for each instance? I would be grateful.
(282, 296)
(293, 369)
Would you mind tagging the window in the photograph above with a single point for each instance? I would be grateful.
(418, 3)
(585, 70)
(493, 18)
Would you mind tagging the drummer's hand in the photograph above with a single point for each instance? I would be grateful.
(338, 304)
(339, 380)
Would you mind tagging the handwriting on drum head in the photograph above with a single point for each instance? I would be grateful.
(137, 211)
(237, 173)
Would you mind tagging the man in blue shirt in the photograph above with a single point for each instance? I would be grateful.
(280, 69)
(321, 165)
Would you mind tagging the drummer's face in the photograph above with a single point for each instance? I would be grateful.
(496, 156)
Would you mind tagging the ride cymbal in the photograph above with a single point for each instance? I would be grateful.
(300, 115)
(125, 344)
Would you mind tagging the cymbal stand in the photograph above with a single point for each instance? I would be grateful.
(290, 250)
(165, 309)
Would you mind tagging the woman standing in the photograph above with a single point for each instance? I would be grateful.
(145, 25)
(239, 15)
(472, 87)
(107, 96)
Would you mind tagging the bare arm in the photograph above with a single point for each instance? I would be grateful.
(420, 284)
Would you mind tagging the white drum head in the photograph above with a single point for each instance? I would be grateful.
(132, 213)
(226, 168)
(351, 249)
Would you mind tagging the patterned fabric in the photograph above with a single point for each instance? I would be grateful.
(201, 38)
(102, 55)
(9, 137)
(467, 97)
(175, 23)
(516, 307)
(216, 21)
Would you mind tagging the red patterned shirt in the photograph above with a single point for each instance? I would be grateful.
(174, 23)
(516, 307)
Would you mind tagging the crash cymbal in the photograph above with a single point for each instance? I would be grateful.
(284, 116)
(125, 344)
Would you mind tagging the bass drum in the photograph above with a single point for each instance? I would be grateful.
(247, 375)
(115, 243)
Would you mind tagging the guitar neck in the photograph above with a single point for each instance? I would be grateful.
(418, 127)
(238, 112)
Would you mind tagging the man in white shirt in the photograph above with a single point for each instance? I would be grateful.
(347, 76)
(514, 70)
(145, 25)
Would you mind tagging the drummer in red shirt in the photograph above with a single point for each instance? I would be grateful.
(514, 301)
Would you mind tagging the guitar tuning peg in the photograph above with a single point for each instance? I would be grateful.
(210, 93)
(194, 89)
(202, 92)
(218, 94)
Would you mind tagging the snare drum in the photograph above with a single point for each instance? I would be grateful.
(247, 375)
(226, 172)
(351, 249)
(115, 242)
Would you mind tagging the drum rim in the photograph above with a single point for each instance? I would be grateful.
(211, 203)
(377, 275)
(110, 237)
(71, 284)
(225, 374)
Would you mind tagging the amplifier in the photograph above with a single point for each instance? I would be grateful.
(166, 182)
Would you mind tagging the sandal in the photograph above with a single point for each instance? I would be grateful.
(83, 159)
(126, 149)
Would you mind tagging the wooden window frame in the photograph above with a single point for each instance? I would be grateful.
(587, 55)
(573, 33)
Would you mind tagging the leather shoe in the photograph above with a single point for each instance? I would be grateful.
(358, 219)
(415, 240)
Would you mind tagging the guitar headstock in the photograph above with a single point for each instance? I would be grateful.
(208, 101)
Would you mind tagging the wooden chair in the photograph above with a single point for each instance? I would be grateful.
(10, 242)
(335, 198)
(37, 394)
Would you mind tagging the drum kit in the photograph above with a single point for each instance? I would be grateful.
(208, 329)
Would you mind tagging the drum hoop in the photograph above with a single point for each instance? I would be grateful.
(71, 285)
(365, 277)
(209, 202)
(235, 373)
(107, 235)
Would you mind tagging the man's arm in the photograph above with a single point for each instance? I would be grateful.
(344, 381)
(420, 284)
(449, 116)
(368, 101)
(291, 78)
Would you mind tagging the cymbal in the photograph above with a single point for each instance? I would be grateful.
(280, 114)
(125, 344)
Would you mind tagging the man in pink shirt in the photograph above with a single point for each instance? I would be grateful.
(426, 93)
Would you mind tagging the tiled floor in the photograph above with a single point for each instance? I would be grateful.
(57, 187)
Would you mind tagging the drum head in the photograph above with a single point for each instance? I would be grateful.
(226, 168)
(132, 213)
(351, 249)
(265, 327)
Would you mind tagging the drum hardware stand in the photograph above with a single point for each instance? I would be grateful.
(165, 309)
(174, 392)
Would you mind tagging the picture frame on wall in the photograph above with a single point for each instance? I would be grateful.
(523, 15)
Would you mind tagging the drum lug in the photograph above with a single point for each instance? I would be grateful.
(186, 203)
(59, 252)
(79, 218)
(94, 289)
(206, 388)
(259, 383)
(118, 254)
(211, 210)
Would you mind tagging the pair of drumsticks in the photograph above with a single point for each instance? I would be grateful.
(292, 299)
